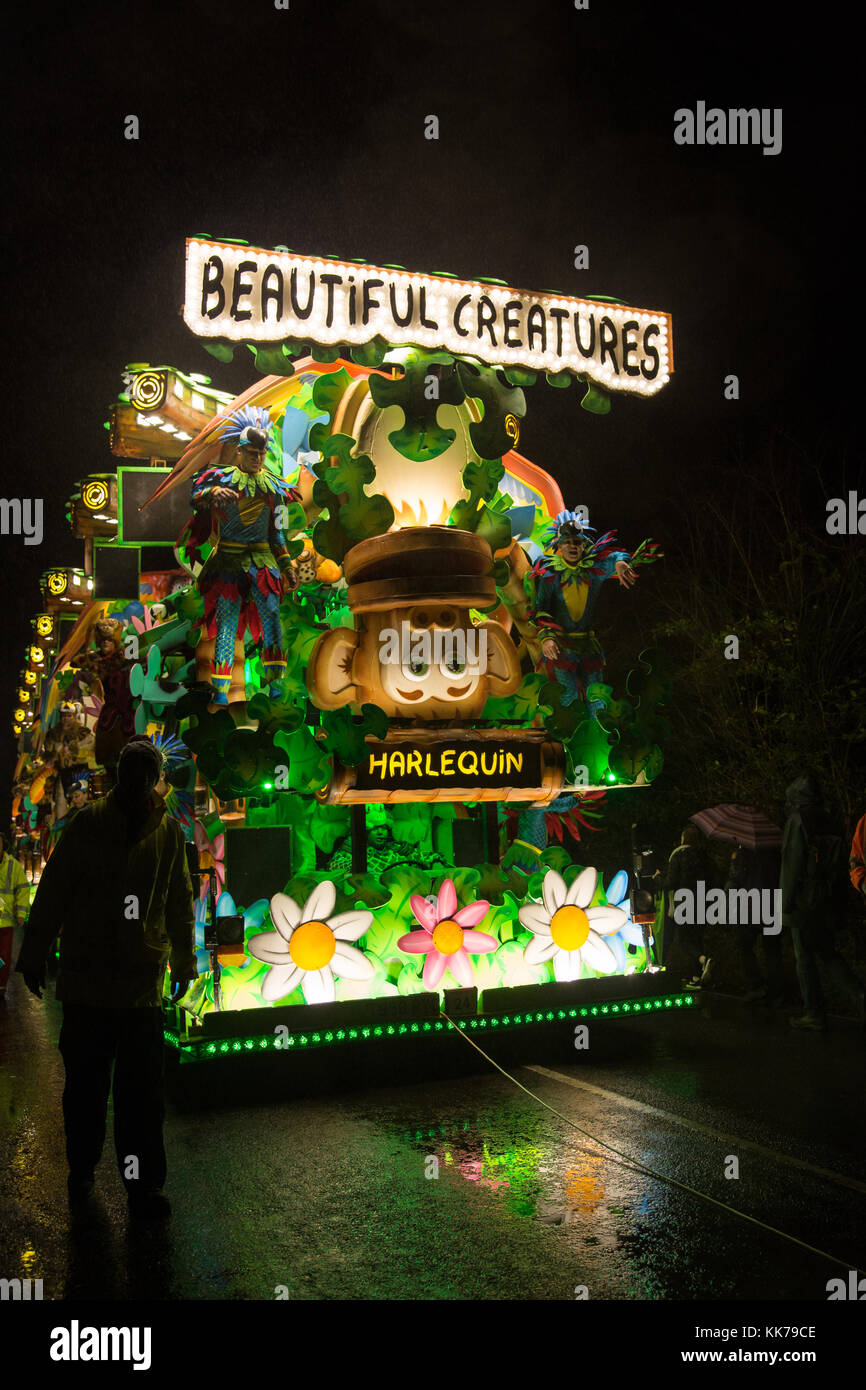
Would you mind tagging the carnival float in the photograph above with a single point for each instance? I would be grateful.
(360, 626)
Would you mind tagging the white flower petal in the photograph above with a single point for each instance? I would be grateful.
(598, 954)
(320, 903)
(318, 985)
(351, 964)
(535, 918)
(553, 891)
(285, 914)
(566, 966)
(270, 947)
(606, 920)
(540, 948)
(280, 981)
(348, 926)
(581, 891)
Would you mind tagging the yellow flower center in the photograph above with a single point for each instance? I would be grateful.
(312, 945)
(569, 927)
(447, 937)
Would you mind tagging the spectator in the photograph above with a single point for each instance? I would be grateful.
(689, 865)
(812, 883)
(758, 869)
(119, 886)
(14, 905)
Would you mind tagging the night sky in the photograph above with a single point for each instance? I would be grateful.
(305, 127)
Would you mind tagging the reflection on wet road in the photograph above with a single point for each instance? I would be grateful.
(468, 1188)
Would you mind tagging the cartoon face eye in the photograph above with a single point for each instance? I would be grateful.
(453, 665)
(415, 669)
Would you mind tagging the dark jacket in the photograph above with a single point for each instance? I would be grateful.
(123, 899)
(755, 869)
(805, 819)
(687, 866)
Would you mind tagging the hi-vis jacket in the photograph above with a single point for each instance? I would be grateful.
(125, 909)
(14, 892)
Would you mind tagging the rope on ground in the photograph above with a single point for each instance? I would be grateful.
(629, 1162)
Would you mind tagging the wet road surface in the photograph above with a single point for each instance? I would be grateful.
(468, 1188)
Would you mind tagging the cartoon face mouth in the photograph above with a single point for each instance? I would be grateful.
(457, 690)
(411, 694)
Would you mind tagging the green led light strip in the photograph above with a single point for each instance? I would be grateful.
(205, 1051)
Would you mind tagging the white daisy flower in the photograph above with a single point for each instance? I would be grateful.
(310, 947)
(567, 930)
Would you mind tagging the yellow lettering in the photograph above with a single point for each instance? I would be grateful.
(393, 767)
(484, 767)
(373, 764)
(470, 771)
(427, 768)
(446, 759)
(513, 762)
(413, 762)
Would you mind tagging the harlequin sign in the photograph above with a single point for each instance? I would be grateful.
(470, 765)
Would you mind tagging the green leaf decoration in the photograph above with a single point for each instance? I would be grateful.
(495, 528)
(420, 437)
(308, 762)
(320, 353)
(559, 379)
(504, 405)
(272, 360)
(596, 401)
(328, 825)
(370, 516)
(346, 736)
(519, 376)
(636, 725)
(366, 889)
(563, 720)
(370, 354)
(327, 393)
(359, 516)
(223, 352)
(331, 539)
(523, 705)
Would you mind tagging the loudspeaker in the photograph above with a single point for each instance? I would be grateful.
(469, 842)
(115, 572)
(258, 861)
(159, 524)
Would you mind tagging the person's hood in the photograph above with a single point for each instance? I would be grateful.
(802, 792)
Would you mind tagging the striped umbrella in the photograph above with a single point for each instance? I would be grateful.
(744, 825)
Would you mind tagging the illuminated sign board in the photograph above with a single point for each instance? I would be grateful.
(460, 765)
(252, 295)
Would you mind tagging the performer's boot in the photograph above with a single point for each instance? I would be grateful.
(273, 670)
(221, 679)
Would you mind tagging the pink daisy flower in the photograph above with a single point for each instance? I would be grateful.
(446, 938)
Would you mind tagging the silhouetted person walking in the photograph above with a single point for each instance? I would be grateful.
(758, 870)
(813, 900)
(119, 887)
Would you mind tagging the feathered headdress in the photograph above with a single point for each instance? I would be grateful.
(241, 423)
(573, 521)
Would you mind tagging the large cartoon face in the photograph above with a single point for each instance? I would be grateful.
(429, 655)
(427, 662)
